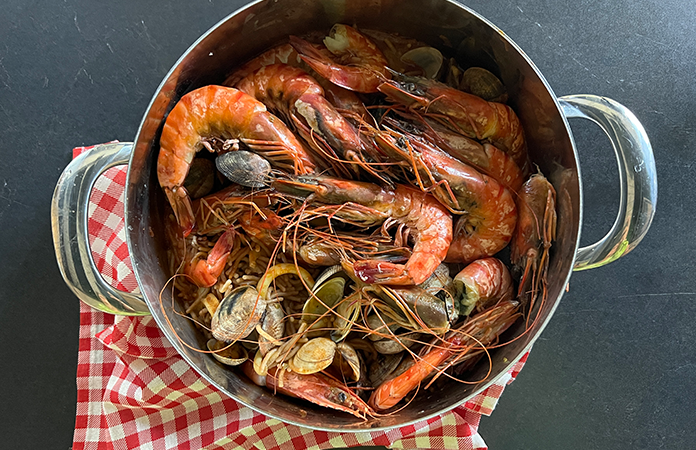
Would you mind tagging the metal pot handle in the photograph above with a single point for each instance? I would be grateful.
(637, 177)
(69, 214)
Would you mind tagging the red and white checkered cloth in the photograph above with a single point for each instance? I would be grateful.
(135, 391)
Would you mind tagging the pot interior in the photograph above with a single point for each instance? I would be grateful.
(457, 32)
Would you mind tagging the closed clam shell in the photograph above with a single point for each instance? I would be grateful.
(482, 83)
(383, 367)
(245, 168)
(238, 314)
(393, 345)
(314, 356)
(234, 355)
(377, 324)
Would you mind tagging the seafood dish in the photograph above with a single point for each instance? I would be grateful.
(354, 217)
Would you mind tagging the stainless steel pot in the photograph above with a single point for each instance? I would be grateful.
(262, 24)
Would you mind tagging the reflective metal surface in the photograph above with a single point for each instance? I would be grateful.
(69, 216)
(637, 177)
(446, 25)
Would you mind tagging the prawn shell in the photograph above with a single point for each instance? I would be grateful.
(238, 314)
(314, 356)
(245, 168)
(234, 355)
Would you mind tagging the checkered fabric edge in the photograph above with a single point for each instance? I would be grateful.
(135, 391)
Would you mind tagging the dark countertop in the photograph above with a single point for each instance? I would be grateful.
(615, 368)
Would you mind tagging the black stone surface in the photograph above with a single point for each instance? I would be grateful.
(615, 368)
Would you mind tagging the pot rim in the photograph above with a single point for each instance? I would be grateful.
(481, 387)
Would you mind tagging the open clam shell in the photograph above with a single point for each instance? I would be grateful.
(429, 59)
(238, 314)
(347, 312)
(201, 178)
(348, 361)
(314, 356)
(323, 297)
(233, 355)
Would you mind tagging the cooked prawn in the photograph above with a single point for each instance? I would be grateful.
(342, 99)
(316, 388)
(429, 222)
(464, 345)
(296, 95)
(487, 208)
(220, 111)
(355, 62)
(463, 113)
(483, 283)
(486, 158)
(535, 232)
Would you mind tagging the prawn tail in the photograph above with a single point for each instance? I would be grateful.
(183, 208)
(206, 272)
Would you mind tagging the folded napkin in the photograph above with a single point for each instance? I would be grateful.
(135, 391)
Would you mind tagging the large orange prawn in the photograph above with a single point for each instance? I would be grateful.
(213, 111)
(536, 230)
(463, 113)
(353, 61)
(299, 97)
(342, 99)
(486, 158)
(487, 208)
(429, 222)
(463, 345)
(317, 388)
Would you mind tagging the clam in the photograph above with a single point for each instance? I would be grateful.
(323, 296)
(347, 312)
(314, 356)
(381, 326)
(245, 168)
(201, 178)
(429, 59)
(482, 83)
(328, 273)
(383, 367)
(274, 325)
(348, 361)
(393, 345)
(233, 355)
(238, 314)
(440, 282)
